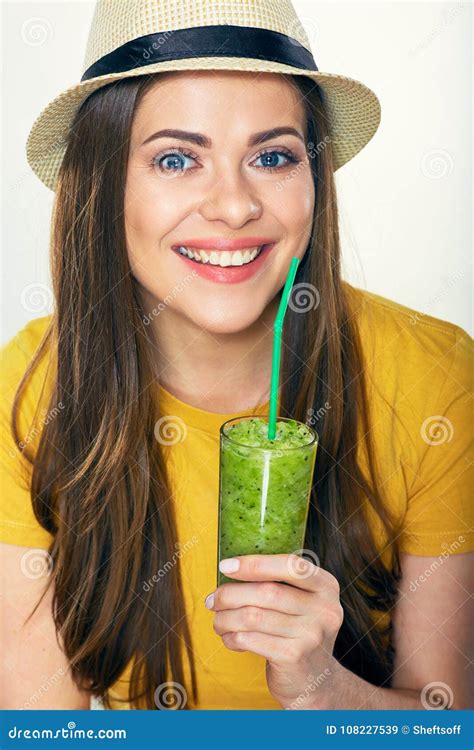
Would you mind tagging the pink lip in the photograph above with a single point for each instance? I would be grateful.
(216, 243)
(228, 274)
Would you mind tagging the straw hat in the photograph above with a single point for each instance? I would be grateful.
(150, 36)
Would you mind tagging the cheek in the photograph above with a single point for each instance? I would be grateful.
(143, 215)
(293, 204)
(150, 215)
(299, 196)
(293, 192)
(143, 231)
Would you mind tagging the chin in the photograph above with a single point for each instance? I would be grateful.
(226, 324)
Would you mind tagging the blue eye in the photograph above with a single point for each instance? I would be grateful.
(269, 159)
(172, 161)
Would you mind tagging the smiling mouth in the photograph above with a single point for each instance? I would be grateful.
(222, 258)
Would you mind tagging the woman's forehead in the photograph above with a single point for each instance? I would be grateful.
(198, 97)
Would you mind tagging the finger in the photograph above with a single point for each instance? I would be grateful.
(291, 569)
(275, 648)
(268, 594)
(257, 619)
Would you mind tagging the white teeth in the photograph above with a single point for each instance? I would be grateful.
(225, 260)
(237, 258)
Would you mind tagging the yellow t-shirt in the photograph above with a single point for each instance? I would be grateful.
(417, 364)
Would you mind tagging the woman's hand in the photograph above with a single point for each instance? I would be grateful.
(290, 613)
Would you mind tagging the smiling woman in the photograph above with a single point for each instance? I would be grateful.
(181, 197)
(219, 200)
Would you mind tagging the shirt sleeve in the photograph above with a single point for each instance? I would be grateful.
(439, 515)
(18, 524)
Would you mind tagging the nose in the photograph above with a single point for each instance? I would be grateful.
(231, 200)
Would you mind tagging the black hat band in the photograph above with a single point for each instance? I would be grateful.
(203, 41)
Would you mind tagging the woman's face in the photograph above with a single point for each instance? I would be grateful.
(222, 188)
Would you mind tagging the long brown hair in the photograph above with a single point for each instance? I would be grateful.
(99, 479)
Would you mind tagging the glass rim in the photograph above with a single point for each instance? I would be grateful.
(223, 434)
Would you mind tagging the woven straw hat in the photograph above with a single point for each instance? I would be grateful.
(150, 36)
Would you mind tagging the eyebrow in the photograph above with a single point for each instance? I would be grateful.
(205, 142)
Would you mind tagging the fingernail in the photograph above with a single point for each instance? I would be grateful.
(209, 603)
(230, 565)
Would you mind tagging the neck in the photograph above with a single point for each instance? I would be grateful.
(223, 373)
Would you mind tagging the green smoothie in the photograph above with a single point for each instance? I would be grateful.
(264, 487)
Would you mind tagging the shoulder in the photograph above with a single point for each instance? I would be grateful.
(18, 523)
(388, 316)
(21, 347)
(418, 372)
(17, 354)
(408, 342)
(27, 339)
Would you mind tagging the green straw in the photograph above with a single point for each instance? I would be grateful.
(277, 330)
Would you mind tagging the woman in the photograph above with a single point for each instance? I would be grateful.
(112, 466)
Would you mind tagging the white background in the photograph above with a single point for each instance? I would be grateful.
(405, 201)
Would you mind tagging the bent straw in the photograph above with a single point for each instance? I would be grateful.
(277, 330)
